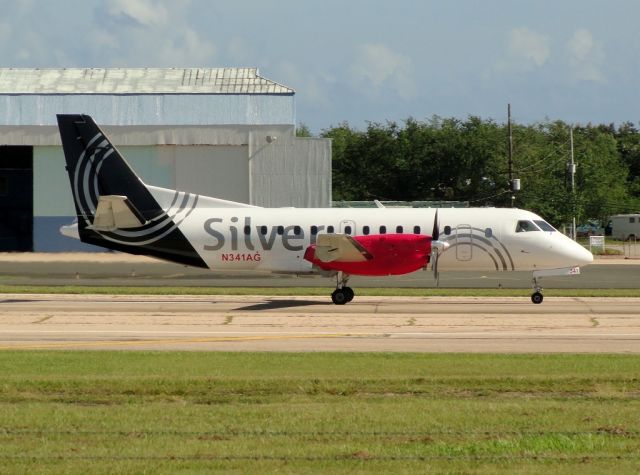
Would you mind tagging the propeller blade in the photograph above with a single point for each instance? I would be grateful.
(435, 234)
(437, 248)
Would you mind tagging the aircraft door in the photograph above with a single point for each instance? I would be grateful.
(464, 249)
(348, 226)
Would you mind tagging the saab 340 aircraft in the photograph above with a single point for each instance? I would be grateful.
(116, 210)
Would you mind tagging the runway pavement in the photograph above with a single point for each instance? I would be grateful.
(120, 269)
(241, 323)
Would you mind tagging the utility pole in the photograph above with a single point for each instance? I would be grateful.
(572, 172)
(513, 197)
(514, 183)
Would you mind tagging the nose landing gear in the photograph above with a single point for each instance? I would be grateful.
(536, 296)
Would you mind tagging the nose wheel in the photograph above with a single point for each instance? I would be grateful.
(536, 296)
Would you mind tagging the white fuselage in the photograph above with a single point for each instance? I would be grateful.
(275, 239)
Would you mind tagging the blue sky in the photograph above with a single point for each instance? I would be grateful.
(357, 60)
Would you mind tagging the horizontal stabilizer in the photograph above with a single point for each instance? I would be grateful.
(70, 230)
(116, 212)
(340, 247)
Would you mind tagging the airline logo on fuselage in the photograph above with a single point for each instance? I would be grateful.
(292, 237)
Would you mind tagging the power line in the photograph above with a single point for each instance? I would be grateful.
(557, 150)
(489, 197)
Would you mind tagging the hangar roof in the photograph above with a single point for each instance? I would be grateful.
(138, 81)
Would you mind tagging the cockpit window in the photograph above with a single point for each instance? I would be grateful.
(544, 225)
(526, 226)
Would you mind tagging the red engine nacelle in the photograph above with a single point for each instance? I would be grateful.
(393, 254)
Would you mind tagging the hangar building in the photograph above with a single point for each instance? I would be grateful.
(227, 133)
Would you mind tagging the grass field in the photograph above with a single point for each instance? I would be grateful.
(137, 412)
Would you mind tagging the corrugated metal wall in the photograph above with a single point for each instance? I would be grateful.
(254, 136)
(149, 109)
(292, 173)
(220, 171)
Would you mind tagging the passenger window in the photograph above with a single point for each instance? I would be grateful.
(330, 229)
(526, 227)
(447, 230)
(365, 230)
(314, 230)
(383, 230)
(416, 230)
(247, 230)
(347, 229)
(632, 220)
(297, 230)
(488, 233)
(263, 230)
(399, 229)
(281, 230)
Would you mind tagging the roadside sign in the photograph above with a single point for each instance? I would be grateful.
(596, 241)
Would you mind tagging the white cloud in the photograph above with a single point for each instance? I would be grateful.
(581, 44)
(527, 48)
(311, 86)
(150, 39)
(377, 66)
(188, 49)
(585, 57)
(144, 12)
(184, 48)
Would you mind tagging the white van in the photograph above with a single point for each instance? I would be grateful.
(625, 226)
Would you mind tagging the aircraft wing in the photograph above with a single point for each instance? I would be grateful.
(340, 247)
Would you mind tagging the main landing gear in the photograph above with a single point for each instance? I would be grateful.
(342, 294)
(536, 296)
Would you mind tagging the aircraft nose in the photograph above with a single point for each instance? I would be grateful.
(580, 255)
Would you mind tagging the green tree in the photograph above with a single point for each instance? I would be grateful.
(345, 161)
(602, 174)
(541, 153)
(467, 160)
(628, 141)
(303, 130)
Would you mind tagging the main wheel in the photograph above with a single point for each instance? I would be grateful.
(339, 297)
(349, 293)
(537, 297)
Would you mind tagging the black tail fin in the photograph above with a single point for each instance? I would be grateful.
(96, 169)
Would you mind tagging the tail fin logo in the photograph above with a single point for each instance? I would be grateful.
(88, 186)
